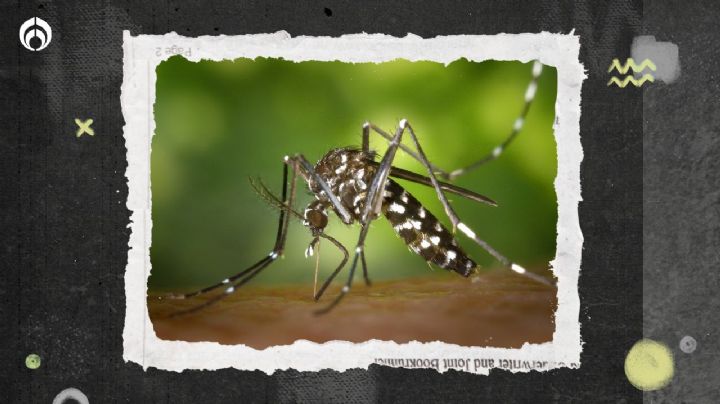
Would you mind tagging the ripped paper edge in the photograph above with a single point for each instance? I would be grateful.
(143, 53)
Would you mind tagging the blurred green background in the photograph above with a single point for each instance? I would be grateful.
(219, 123)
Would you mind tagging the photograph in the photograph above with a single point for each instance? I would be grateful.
(334, 201)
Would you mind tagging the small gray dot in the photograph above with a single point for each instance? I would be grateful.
(688, 344)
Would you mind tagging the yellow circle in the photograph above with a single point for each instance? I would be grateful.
(649, 365)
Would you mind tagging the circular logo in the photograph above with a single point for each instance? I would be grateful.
(35, 34)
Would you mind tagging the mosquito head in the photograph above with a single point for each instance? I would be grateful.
(315, 217)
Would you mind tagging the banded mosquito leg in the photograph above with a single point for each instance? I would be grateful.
(345, 289)
(232, 283)
(372, 208)
(404, 148)
(517, 126)
(337, 270)
(496, 152)
(455, 220)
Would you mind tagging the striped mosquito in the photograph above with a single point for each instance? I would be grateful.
(350, 183)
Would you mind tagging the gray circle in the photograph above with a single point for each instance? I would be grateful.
(71, 393)
(688, 344)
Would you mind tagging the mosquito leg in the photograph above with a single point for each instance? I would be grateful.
(364, 267)
(225, 282)
(517, 126)
(232, 283)
(366, 137)
(230, 290)
(497, 151)
(348, 284)
(405, 148)
(339, 267)
(450, 212)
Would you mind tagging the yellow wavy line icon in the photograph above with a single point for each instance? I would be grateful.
(631, 79)
(630, 64)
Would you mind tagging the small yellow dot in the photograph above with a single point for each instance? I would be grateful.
(649, 365)
(32, 361)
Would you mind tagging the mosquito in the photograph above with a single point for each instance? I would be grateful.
(351, 184)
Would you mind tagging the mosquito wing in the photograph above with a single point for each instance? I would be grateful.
(421, 179)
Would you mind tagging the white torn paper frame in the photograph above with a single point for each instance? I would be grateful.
(143, 53)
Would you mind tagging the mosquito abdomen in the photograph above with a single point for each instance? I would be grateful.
(422, 231)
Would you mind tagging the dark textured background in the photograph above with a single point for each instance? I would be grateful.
(64, 219)
(681, 203)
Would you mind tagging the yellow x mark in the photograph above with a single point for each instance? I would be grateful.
(84, 127)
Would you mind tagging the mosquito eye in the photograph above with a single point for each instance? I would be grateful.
(316, 219)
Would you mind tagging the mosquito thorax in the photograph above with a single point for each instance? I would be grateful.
(348, 174)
